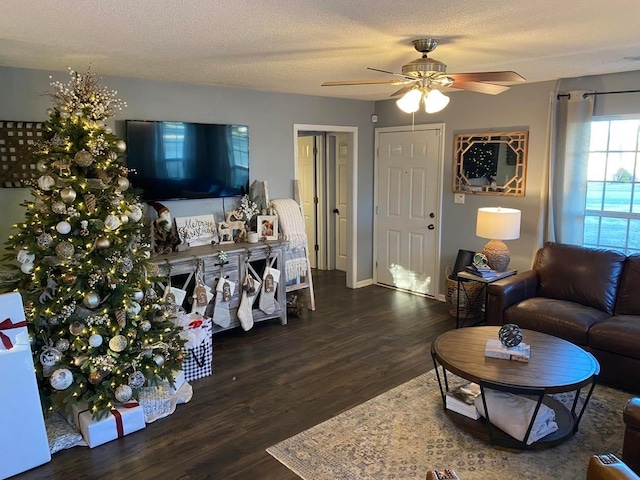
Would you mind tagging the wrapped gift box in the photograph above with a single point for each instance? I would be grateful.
(120, 422)
(23, 437)
(13, 327)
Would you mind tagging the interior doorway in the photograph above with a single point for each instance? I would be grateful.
(325, 165)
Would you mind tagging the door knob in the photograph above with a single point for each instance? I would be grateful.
(335, 210)
(431, 226)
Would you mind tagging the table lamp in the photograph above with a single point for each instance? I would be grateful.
(498, 224)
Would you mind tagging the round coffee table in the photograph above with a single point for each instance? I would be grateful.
(555, 366)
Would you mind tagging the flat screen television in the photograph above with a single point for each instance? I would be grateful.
(180, 160)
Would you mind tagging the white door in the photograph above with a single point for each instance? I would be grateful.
(306, 176)
(407, 222)
(340, 212)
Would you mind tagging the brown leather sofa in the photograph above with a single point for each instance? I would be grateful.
(590, 297)
(608, 467)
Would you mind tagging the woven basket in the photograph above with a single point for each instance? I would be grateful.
(471, 298)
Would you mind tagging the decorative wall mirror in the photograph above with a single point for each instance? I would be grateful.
(492, 163)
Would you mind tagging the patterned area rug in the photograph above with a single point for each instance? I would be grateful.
(403, 433)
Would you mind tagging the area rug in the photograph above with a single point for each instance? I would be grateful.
(404, 433)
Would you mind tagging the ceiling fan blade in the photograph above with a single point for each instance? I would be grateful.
(360, 82)
(486, 77)
(392, 73)
(480, 87)
(403, 90)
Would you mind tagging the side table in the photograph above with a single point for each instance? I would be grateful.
(485, 281)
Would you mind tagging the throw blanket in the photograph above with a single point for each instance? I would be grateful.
(512, 414)
(291, 222)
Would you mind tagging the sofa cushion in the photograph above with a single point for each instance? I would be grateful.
(628, 302)
(560, 318)
(619, 334)
(587, 276)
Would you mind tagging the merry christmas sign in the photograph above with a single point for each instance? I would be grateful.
(198, 230)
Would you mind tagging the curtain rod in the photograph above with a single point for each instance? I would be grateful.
(600, 93)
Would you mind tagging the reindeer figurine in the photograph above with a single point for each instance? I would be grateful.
(236, 225)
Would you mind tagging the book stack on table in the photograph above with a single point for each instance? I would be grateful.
(482, 271)
(460, 400)
(519, 353)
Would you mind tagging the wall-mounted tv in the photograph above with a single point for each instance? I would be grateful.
(179, 160)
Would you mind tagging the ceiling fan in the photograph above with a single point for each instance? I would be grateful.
(422, 78)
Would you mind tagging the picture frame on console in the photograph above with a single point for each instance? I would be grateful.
(267, 226)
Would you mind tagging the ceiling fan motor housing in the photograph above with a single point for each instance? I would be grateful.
(422, 67)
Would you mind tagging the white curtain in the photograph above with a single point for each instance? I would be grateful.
(565, 173)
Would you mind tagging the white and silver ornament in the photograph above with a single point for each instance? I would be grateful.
(50, 357)
(145, 325)
(123, 393)
(112, 222)
(138, 295)
(121, 146)
(61, 379)
(46, 182)
(118, 343)
(122, 183)
(44, 240)
(137, 379)
(95, 340)
(159, 359)
(134, 213)
(63, 227)
(63, 344)
(134, 309)
(26, 267)
(59, 207)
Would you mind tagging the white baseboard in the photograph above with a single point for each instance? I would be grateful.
(364, 283)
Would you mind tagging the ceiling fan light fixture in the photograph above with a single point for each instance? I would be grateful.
(435, 101)
(410, 101)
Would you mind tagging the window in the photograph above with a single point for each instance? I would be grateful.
(612, 209)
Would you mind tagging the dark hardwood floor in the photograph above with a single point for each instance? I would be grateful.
(271, 383)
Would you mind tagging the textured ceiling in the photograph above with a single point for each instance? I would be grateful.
(295, 45)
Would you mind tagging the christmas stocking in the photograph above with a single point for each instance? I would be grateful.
(250, 290)
(268, 303)
(202, 295)
(224, 292)
(174, 298)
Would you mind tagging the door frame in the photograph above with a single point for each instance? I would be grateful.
(439, 127)
(352, 179)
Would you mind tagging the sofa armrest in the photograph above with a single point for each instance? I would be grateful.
(508, 291)
(631, 446)
(609, 467)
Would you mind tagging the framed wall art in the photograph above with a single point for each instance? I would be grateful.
(267, 227)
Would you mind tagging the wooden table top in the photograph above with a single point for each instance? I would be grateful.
(555, 364)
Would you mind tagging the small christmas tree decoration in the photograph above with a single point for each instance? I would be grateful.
(84, 268)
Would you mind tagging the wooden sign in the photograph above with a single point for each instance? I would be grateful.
(198, 230)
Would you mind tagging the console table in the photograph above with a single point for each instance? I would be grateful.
(181, 267)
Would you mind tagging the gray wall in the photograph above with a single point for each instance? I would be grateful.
(523, 106)
(270, 117)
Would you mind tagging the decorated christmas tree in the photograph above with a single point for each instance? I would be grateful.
(98, 330)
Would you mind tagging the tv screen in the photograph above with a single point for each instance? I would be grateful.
(178, 160)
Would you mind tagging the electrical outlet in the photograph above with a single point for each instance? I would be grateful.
(458, 198)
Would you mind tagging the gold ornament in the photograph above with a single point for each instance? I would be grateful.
(105, 177)
(90, 202)
(112, 222)
(68, 195)
(123, 218)
(69, 278)
(102, 243)
(42, 166)
(118, 343)
(91, 300)
(76, 328)
(65, 250)
(123, 183)
(95, 377)
(46, 182)
(83, 158)
(113, 156)
(121, 146)
(41, 205)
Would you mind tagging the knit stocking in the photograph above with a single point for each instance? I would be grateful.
(224, 292)
(202, 295)
(268, 303)
(250, 291)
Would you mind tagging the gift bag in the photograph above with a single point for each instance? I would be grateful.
(197, 332)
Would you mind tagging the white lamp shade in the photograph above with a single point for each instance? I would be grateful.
(410, 101)
(497, 223)
(435, 101)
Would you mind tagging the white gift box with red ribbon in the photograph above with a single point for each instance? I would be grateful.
(23, 437)
(13, 327)
(121, 421)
